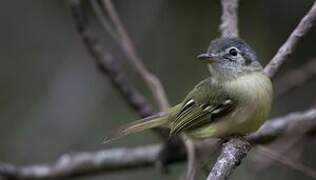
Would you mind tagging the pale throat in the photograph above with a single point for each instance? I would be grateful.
(226, 74)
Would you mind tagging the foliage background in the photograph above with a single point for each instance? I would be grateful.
(53, 99)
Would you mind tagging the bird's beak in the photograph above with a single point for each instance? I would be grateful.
(207, 57)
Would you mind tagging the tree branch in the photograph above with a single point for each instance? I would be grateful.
(290, 44)
(86, 163)
(150, 79)
(229, 26)
(107, 64)
(295, 165)
(103, 20)
(232, 154)
(110, 67)
(90, 163)
(295, 78)
(275, 127)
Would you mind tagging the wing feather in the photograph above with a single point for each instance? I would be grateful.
(200, 107)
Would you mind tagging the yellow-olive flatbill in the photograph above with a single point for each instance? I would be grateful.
(235, 100)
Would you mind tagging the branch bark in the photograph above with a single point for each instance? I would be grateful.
(290, 44)
(86, 163)
(107, 64)
(275, 127)
(229, 25)
(232, 154)
(106, 161)
(295, 165)
(297, 76)
(149, 78)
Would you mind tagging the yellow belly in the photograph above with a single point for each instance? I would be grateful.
(255, 94)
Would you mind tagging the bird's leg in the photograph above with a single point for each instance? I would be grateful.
(191, 157)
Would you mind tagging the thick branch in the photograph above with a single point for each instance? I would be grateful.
(232, 154)
(290, 44)
(146, 156)
(229, 26)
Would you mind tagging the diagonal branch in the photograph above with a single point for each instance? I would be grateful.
(270, 130)
(295, 78)
(110, 67)
(150, 79)
(107, 64)
(103, 20)
(290, 44)
(106, 161)
(295, 165)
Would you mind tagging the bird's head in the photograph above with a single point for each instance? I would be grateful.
(230, 57)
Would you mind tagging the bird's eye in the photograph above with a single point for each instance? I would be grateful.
(233, 52)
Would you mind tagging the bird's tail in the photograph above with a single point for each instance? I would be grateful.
(137, 126)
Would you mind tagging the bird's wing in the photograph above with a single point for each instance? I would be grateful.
(203, 105)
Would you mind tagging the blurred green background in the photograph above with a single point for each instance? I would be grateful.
(54, 100)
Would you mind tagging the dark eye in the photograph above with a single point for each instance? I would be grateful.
(233, 52)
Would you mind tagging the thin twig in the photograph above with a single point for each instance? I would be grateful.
(150, 79)
(290, 44)
(298, 166)
(104, 22)
(107, 64)
(146, 156)
(191, 157)
(282, 145)
(295, 78)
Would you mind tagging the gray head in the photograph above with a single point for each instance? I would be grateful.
(231, 56)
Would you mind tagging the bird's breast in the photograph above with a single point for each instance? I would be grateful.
(253, 93)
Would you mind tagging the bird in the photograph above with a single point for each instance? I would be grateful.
(235, 100)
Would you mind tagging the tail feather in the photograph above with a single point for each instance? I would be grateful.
(137, 126)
